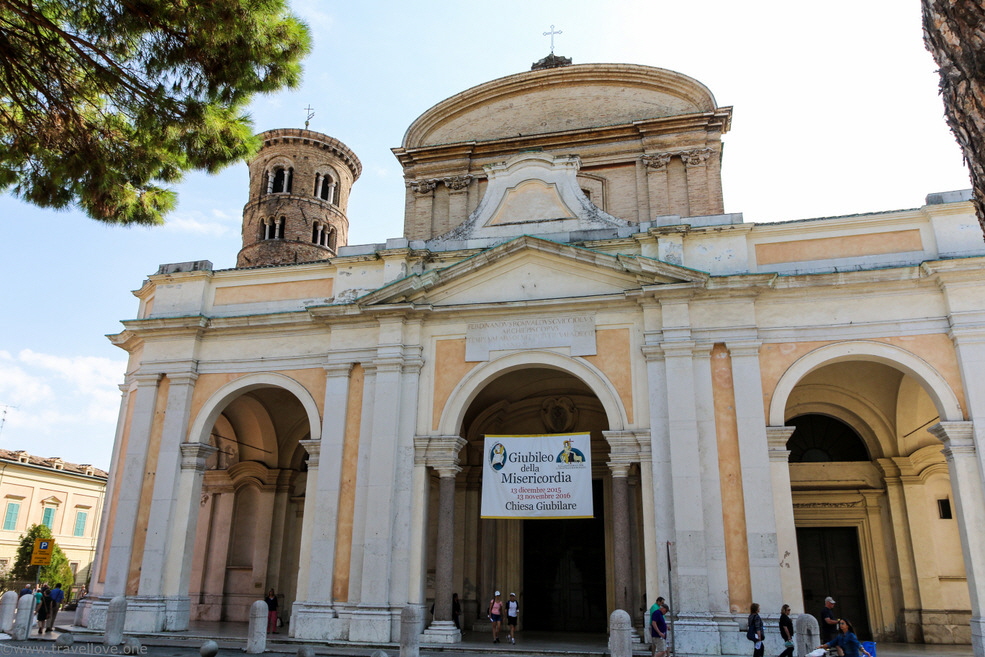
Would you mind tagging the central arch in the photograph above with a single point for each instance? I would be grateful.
(561, 570)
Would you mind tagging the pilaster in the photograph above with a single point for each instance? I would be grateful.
(960, 450)
(786, 529)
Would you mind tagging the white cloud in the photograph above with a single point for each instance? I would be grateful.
(199, 224)
(59, 405)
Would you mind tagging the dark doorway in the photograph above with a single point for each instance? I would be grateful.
(831, 565)
(564, 572)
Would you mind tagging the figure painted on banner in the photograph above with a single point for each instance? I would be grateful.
(756, 633)
(271, 601)
(570, 454)
(786, 631)
(845, 641)
(498, 457)
(57, 597)
(658, 630)
(496, 615)
(829, 622)
(512, 614)
(44, 608)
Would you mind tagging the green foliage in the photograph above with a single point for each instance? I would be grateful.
(58, 571)
(104, 101)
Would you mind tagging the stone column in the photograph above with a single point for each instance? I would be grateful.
(319, 524)
(131, 483)
(458, 196)
(623, 451)
(899, 512)
(620, 534)
(658, 578)
(176, 573)
(445, 451)
(764, 562)
(656, 183)
(786, 529)
(423, 204)
(969, 501)
(695, 162)
(308, 523)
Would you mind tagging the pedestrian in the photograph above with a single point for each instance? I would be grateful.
(512, 612)
(755, 632)
(658, 631)
(26, 591)
(44, 608)
(271, 601)
(846, 641)
(786, 631)
(57, 597)
(496, 615)
(456, 610)
(829, 622)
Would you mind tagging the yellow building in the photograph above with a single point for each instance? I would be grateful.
(66, 497)
(777, 413)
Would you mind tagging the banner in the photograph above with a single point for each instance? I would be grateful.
(537, 476)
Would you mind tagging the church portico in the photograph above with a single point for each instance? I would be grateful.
(768, 413)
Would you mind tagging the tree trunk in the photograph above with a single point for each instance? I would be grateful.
(954, 32)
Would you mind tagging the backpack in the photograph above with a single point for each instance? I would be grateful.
(751, 633)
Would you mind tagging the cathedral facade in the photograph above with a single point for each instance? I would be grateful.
(777, 412)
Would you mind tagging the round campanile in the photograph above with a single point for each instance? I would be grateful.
(299, 190)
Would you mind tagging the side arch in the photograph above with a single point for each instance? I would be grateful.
(211, 409)
(933, 383)
(472, 384)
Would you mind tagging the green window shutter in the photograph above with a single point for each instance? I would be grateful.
(10, 517)
(80, 523)
(48, 518)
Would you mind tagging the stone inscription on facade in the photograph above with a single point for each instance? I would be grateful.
(574, 331)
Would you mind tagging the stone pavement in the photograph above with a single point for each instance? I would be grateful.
(231, 638)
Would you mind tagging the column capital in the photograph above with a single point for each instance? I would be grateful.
(340, 370)
(652, 352)
(619, 469)
(624, 449)
(457, 183)
(776, 438)
(741, 348)
(440, 453)
(696, 157)
(194, 455)
(146, 379)
(313, 447)
(958, 438)
(423, 187)
(678, 349)
(657, 161)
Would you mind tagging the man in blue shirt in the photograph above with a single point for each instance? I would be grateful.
(658, 633)
(57, 596)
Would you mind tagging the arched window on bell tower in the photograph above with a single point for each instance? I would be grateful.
(280, 179)
(327, 187)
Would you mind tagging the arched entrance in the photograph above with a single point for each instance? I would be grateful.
(872, 496)
(249, 525)
(561, 570)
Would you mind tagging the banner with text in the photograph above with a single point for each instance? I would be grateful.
(537, 476)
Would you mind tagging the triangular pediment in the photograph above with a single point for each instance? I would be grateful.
(531, 269)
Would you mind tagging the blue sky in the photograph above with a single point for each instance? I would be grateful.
(836, 112)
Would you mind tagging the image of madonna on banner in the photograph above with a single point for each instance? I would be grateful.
(545, 476)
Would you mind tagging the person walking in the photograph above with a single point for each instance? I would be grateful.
(456, 610)
(271, 601)
(755, 633)
(44, 608)
(658, 631)
(829, 622)
(846, 641)
(786, 631)
(57, 597)
(496, 615)
(512, 612)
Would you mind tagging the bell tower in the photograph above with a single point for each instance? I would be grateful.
(299, 190)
